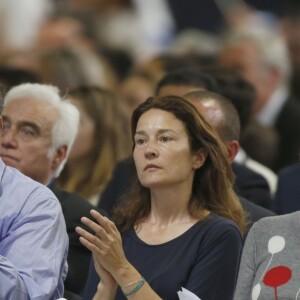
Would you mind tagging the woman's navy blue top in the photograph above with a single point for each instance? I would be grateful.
(204, 260)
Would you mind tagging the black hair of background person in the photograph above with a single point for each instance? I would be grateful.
(189, 77)
(120, 61)
(11, 76)
(205, 15)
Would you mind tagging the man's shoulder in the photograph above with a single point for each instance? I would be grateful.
(242, 170)
(13, 181)
(244, 173)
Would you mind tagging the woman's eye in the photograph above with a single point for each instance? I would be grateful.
(165, 139)
(140, 141)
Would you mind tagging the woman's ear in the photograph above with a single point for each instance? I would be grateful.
(199, 158)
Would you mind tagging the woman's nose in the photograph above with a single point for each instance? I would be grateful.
(151, 151)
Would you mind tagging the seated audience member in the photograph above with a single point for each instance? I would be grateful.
(222, 115)
(262, 57)
(102, 140)
(288, 190)
(269, 267)
(33, 237)
(39, 129)
(182, 225)
(242, 94)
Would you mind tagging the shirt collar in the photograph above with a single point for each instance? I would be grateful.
(269, 113)
(241, 156)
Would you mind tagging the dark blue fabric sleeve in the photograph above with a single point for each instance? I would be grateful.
(215, 272)
(91, 283)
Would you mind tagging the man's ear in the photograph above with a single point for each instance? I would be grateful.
(199, 158)
(59, 156)
(1, 122)
(232, 149)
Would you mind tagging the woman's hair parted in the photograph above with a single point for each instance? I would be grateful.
(213, 183)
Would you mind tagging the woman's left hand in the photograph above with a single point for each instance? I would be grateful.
(106, 244)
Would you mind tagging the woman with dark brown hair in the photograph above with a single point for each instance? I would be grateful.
(181, 225)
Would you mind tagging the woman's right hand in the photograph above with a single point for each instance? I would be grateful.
(105, 277)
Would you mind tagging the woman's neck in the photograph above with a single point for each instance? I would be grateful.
(169, 206)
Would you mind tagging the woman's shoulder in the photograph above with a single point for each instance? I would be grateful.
(217, 226)
(217, 221)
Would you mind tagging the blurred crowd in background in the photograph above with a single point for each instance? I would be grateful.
(124, 47)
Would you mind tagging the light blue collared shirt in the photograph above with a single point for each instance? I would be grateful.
(33, 239)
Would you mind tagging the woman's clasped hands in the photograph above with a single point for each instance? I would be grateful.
(106, 246)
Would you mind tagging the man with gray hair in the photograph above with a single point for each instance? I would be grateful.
(39, 129)
(33, 237)
(262, 58)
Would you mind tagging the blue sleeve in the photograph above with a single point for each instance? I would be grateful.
(214, 274)
(33, 249)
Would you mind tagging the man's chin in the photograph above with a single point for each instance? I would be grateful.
(9, 161)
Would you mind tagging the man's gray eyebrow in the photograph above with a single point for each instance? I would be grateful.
(24, 123)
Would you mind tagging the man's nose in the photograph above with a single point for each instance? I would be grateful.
(8, 138)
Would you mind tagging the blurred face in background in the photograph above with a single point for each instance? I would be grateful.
(135, 90)
(244, 57)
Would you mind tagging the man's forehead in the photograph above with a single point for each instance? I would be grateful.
(29, 110)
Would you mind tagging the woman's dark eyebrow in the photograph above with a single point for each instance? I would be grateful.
(160, 131)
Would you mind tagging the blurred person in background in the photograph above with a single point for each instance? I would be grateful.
(102, 140)
(136, 87)
(11, 76)
(232, 85)
(21, 22)
(222, 115)
(290, 28)
(69, 68)
(262, 58)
